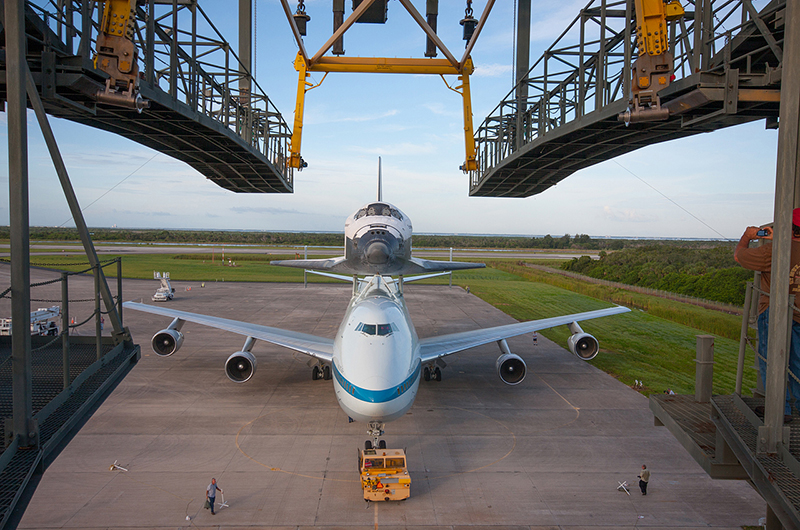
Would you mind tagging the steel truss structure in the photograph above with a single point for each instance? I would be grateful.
(205, 108)
(563, 114)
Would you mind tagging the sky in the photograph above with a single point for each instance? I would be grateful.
(712, 185)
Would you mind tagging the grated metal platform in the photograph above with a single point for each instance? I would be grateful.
(56, 410)
(690, 422)
(776, 476)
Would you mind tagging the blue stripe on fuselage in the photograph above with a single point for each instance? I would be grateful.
(377, 396)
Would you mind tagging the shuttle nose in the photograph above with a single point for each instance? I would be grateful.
(378, 253)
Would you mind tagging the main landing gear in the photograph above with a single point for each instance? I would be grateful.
(434, 374)
(321, 372)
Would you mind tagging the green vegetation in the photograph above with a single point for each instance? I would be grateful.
(335, 239)
(711, 274)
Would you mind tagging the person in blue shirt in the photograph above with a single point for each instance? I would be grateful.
(211, 493)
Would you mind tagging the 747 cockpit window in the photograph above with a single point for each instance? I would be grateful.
(381, 330)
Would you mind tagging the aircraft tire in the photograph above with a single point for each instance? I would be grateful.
(437, 374)
(426, 374)
(368, 445)
(315, 373)
(382, 444)
(326, 373)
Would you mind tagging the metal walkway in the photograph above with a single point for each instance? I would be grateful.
(205, 108)
(727, 67)
(722, 437)
(57, 410)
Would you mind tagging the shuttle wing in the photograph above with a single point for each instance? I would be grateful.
(318, 347)
(434, 347)
(426, 265)
(342, 266)
(323, 264)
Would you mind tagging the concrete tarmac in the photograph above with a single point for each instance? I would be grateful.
(548, 453)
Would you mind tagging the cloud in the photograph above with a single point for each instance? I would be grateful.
(492, 70)
(322, 117)
(626, 215)
(265, 210)
(400, 149)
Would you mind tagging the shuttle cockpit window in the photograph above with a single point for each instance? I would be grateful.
(361, 213)
(379, 209)
(377, 329)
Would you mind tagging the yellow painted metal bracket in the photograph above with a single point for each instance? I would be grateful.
(303, 86)
(471, 160)
(440, 67)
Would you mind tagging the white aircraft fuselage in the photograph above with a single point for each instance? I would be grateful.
(376, 364)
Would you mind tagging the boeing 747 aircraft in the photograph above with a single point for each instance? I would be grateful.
(376, 360)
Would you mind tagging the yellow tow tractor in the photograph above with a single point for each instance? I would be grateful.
(384, 475)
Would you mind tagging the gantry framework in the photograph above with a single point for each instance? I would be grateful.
(564, 113)
(304, 64)
(203, 105)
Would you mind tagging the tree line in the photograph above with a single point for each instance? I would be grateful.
(335, 239)
(709, 273)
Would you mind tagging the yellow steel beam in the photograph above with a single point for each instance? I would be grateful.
(388, 65)
(471, 162)
(383, 65)
(651, 24)
(297, 131)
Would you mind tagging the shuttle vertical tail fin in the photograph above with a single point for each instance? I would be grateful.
(380, 183)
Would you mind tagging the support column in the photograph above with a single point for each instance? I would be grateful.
(338, 20)
(432, 14)
(246, 61)
(704, 371)
(16, 67)
(523, 45)
(786, 175)
(120, 333)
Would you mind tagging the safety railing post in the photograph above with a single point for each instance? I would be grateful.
(97, 313)
(173, 53)
(65, 327)
(119, 292)
(150, 40)
(743, 337)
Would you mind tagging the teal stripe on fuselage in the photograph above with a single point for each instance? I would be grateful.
(377, 396)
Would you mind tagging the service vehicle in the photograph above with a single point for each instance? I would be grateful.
(384, 475)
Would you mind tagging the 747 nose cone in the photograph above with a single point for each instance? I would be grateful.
(378, 253)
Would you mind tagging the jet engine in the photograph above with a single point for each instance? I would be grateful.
(582, 344)
(167, 341)
(510, 367)
(240, 366)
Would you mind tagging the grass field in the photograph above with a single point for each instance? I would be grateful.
(655, 343)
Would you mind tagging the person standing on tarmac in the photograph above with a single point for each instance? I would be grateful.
(760, 259)
(211, 493)
(644, 478)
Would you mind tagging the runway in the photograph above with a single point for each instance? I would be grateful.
(548, 453)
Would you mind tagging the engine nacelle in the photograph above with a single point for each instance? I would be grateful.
(511, 368)
(166, 342)
(583, 345)
(240, 366)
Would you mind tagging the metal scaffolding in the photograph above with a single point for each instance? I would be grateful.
(563, 114)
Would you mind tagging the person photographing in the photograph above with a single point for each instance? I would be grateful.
(760, 259)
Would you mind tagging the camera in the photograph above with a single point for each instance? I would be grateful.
(764, 232)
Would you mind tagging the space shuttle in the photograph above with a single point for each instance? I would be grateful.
(377, 240)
